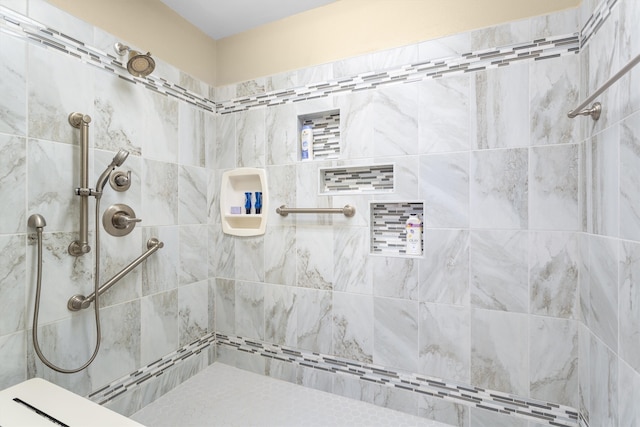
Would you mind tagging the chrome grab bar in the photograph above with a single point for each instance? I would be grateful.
(81, 246)
(348, 210)
(596, 108)
(79, 302)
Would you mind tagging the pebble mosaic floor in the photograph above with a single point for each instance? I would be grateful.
(222, 395)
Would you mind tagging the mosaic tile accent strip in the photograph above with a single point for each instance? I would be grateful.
(595, 21)
(388, 220)
(357, 179)
(326, 134)
(153, 370)
(545, 413)
(544, 48)
(23, 27)
(20, 26)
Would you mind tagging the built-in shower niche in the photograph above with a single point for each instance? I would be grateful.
(235, 219)
(326, 134)
(367, 179)
(387, 227)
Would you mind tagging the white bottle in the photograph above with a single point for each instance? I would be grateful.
(306, 143)
(414, 235)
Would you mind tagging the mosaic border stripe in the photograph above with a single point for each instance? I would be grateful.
(542, 412)
(544, 48)
(23, 27)
(595, 21)
(153, 370)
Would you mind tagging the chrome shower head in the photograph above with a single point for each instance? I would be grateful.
(120, 157)
(138, 64)
(118, 160)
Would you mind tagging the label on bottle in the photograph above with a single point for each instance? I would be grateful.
(414, 236)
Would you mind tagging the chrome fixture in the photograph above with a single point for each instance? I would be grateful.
(347, 211)
(123, 220)
(118, 160)
(80, 302)
(81, 121)
(119, 220)
(596, 108)
(37, 221)
(138, 64)
(120, 180)
(81, 246)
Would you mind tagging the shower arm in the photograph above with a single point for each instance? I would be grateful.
(80, 302)
(81, 246)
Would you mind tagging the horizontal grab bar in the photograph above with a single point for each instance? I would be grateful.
(80, 302)
(595, 109)
(348, 210)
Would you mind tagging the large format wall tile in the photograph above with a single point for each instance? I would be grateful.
(499, 190)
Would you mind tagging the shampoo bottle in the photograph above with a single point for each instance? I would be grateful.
(306, 143)
(414, 235)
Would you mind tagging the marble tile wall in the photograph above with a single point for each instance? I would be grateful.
(162, 305)
(609, 329)
(494, 301)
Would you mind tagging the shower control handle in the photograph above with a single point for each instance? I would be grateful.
(120, 180)
(122, 220)
(119, 220)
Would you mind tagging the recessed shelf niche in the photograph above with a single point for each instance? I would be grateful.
(387, 227)
(234, 184)
(357, 179)
(326, 133)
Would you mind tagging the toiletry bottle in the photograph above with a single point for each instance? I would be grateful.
(414, 235)
(306, 143)
(258, 204)
(247, 202)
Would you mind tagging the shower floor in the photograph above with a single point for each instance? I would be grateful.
(222, 395)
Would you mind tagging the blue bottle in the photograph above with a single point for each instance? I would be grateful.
(247, 202)
(258, 201)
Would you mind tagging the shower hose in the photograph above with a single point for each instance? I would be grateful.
(96, 302)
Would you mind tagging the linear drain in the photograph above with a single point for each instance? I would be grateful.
(41, 413)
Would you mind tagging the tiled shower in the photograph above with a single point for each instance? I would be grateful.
(526, 287)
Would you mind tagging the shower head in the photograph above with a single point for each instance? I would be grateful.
(36, 221)
(118, 160)
(138, 64)
(120, 157)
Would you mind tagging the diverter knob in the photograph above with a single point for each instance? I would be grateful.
(119, 220)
